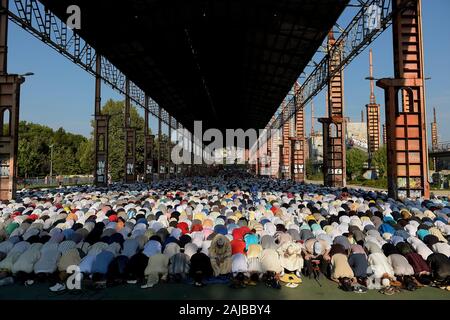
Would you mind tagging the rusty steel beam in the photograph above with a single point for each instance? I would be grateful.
(405, 106)
(286, 148)
(170, 168)
(101, 135)
(334, 153)
(130, 140)
(9, 134)
(160, 166)
(269, 154)
(148, 146)
(373, 116)
(298, 142)
(9, 115)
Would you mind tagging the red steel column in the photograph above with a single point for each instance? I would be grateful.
(269, 154)
(334, 166)
(101, 132)
(9, 111)
(170, 169)
(298, 142)
(148, 145)
(405, 106)
(286, 147)
(130, 140)
(159, 143)
(373, 117)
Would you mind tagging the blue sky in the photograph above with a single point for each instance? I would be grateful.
(61, 94)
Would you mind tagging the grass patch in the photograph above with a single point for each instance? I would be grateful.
(378, 184)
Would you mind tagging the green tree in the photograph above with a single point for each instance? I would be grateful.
(356, 159)
(380, 161)
(34, 151)
(117, 138)
(29, 159)
(87, 159)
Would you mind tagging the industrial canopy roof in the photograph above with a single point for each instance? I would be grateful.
(229, 63)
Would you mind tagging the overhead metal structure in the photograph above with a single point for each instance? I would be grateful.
(229, 64)
(353, 40)
(42, 23)
(200, 60)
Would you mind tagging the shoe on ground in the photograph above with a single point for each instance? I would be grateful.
(58, 287)
(29, 283)
(147, 286)
(359, 289)
(199, 284)
(388, 291)
(131, 281)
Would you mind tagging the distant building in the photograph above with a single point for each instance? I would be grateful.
(315, 148)
(356, 135)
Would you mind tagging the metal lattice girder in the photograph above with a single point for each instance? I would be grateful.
(173, 123)
(45, 26)
(405, 106)
(358, 35)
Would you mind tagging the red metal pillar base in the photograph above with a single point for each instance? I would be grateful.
(148, 157)
(405, 106)
(9, 109)
(130, 141)
(334, 152)
(130, 158)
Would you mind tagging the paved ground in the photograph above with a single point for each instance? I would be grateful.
(308, 290)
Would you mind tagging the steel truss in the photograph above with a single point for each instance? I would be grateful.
(32, 16)
(352, 41)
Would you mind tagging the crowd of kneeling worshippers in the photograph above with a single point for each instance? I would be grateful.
(232, 231)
